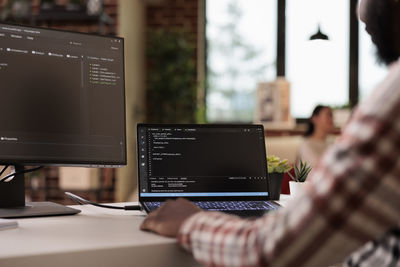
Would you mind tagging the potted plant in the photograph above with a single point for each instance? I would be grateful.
(301, 172)
(276, 170)
(171, 77)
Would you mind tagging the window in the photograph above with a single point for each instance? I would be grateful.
(370, 73)
(241, 51)
(241, 38)
(317, 70)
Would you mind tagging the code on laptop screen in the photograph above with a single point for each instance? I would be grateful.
(203, 160)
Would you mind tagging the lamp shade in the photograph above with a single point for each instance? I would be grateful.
(319, 35)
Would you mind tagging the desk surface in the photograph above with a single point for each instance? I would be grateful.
(95, 237)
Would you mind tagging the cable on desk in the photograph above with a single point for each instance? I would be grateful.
(82, 201)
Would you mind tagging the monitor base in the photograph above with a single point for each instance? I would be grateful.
(37, 209)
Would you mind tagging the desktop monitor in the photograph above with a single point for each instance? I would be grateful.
(63, 104)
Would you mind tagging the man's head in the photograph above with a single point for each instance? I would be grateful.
(382, 21)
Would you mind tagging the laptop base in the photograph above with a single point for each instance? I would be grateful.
(255, 208)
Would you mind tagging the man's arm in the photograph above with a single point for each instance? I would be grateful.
(352, 197)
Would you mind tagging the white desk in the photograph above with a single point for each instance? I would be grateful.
(283, 199)
(95, 237)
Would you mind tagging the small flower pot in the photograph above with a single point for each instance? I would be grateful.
(275, 184)
(295, 187)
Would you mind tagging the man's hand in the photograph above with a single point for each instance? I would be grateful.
(167, 219)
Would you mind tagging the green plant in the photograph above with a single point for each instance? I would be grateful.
(276, 165)
(171, 78)
(232, 59)
(301, 172)
(15, 10)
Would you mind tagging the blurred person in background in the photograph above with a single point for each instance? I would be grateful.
(316, 140)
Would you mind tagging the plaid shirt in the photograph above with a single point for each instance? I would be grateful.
(382, 252)
(353, 196)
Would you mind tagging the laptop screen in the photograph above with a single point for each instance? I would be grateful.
(201, 161)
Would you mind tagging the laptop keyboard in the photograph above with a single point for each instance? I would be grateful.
(226, 205)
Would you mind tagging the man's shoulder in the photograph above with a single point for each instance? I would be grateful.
(386, 95)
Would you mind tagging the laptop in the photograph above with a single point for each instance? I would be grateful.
(216, 166)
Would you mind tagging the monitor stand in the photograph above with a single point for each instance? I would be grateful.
(12, 201)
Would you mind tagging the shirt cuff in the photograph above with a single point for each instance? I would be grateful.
(186, 229)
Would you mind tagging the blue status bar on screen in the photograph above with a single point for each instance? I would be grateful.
(216, 194)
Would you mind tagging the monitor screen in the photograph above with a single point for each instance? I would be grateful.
(202, 161)
(63, 98)
(63, 104)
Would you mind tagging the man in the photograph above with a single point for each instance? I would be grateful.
(353, 195)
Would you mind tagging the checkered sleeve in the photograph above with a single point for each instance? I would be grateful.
(352, 197)
(382, 252)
